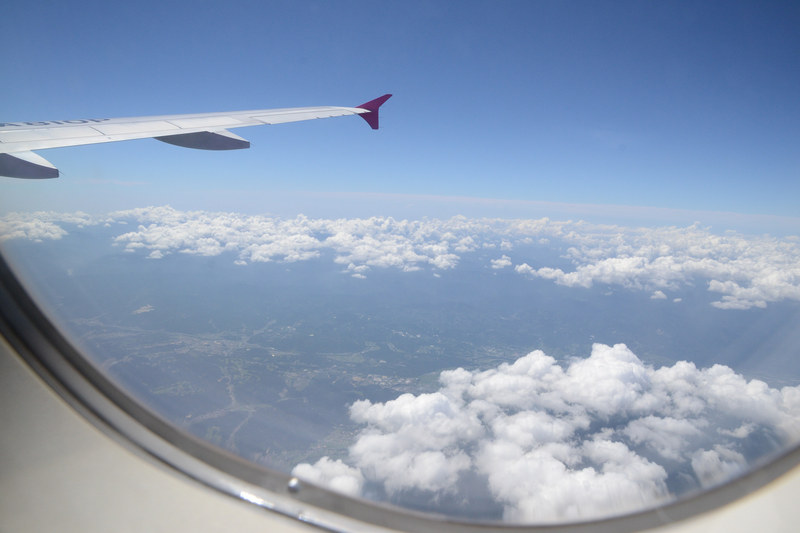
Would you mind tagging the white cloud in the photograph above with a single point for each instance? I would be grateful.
(593, 437)
(658, 295)
(745, 271)
(525, 268)
(44, 225)
(357, 271)
(715, 466)
(19, 226)
(503, 262)
(333, 474)
(375, 242)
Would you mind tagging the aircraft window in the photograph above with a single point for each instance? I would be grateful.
(429, 346)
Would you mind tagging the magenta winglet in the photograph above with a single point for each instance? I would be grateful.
(372, 106)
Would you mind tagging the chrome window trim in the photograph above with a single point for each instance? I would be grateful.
(28, 330)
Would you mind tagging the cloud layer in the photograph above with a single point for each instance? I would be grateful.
(599, 436)
(40, 225)
(745, 271)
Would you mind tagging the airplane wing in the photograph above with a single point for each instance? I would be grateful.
(205, 131)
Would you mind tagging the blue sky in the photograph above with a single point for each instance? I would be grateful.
(687, 105)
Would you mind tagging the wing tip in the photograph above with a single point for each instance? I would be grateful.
(372, 106)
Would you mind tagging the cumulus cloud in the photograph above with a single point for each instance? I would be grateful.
(18, 226)
(503, 262)
(358, 243)
(525, 268)
(745, 271)
(333, 474)
(590, 437)
(714, 466)
(43, 225)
